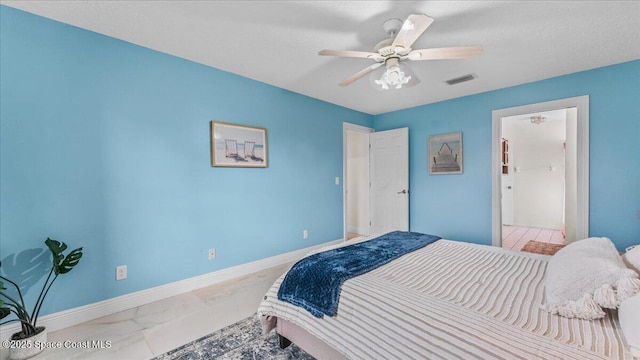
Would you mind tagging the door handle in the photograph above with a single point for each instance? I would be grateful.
(509, 187)
(403, 192)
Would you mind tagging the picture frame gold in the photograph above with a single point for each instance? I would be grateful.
(235, 145)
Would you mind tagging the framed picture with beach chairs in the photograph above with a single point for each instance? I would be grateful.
(234, 145)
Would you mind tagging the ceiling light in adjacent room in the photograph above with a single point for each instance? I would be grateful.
(538, 119)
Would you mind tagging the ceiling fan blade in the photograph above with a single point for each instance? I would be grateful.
(411, 30)
(360, 74)
(352, 54)
(445, 53)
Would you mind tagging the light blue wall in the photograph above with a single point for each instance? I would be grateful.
(105, 145)
(459, 206)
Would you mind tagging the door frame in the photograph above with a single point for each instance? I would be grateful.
(357, 128)
(582, 161)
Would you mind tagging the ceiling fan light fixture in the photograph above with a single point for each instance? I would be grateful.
(396, 75)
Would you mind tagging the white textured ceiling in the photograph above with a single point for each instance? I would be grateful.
(277, 42)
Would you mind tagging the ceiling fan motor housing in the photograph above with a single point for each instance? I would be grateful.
(387, 51)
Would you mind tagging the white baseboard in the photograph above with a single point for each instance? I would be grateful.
(78, 315)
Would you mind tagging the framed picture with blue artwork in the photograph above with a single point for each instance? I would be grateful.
(445, 154)
(234, 145)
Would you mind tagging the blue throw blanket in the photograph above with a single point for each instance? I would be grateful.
(314, 282)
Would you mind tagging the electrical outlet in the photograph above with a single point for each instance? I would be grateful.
(212, 253)
(305, 234)
(121, 272)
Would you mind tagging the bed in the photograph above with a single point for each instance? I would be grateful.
(447, 300)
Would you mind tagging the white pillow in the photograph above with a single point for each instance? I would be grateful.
(632, 258)
(629, 314)
(586, 276)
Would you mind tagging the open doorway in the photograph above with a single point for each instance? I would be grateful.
(376, 180)
(573, 199)
(535, 161)
(356, 180)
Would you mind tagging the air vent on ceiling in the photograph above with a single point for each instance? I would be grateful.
(460, 79)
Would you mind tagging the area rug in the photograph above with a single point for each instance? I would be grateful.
(242, 340)
(541, 248)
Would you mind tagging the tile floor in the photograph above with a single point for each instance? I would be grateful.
(153, 329)
(515, 237)
(351, 235)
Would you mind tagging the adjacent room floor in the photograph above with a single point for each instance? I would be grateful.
(153, 329)
(515, 237)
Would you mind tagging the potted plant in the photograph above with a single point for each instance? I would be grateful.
(61, 264)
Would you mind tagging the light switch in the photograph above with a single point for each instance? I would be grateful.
(337, 180)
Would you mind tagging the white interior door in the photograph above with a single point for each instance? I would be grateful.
(389, 177)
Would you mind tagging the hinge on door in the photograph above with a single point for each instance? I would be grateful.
(369, 223)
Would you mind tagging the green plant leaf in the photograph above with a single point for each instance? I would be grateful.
(70, 261)
(56, 247)
(4, 311)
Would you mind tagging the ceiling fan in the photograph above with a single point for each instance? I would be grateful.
(392, 53)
